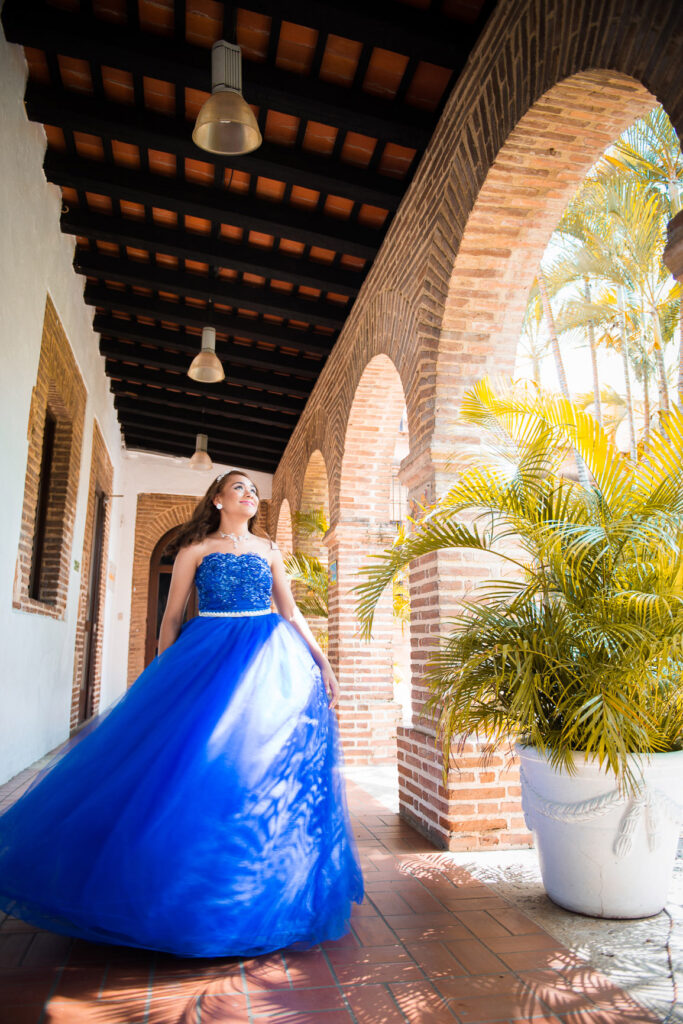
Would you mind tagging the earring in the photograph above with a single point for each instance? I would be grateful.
(218, 506)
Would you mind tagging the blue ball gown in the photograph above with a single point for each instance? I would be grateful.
(204, 813)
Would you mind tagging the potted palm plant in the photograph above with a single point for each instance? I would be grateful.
(577, 652)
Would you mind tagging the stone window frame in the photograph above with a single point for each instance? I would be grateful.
(59, 389)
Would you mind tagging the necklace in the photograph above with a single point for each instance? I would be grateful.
(236, 538)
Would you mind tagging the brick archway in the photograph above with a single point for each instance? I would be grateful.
(283, 529)
(156, 515)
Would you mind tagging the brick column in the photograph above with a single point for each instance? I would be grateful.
(368, 713)
(479, 807)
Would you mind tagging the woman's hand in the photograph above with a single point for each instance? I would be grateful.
(331, 685)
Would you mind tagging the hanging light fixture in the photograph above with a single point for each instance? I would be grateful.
(226, 123)
(201, 458)
(206, 366)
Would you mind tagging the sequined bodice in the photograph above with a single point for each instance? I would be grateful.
(233, 583)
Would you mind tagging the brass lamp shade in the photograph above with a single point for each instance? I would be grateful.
(206, 366)
(225, 123)
(201, 458)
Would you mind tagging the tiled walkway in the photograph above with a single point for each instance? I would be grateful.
(429, 945)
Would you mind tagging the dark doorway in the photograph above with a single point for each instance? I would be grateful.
(160, 569)
(93, 605)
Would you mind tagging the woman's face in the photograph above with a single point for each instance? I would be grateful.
(239, 496)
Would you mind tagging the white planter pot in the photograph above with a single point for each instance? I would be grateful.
(600, 853)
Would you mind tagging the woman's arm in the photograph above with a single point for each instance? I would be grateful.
(182, 579)
(286, 605)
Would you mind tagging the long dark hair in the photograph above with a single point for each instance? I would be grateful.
(206, 517)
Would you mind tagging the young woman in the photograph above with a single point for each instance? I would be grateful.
(204, 814)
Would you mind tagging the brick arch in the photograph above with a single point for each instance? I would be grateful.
(156, 515)
(537, 170)
(283, 529)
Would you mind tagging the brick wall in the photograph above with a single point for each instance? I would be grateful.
(101, 479)
(156, 514)
(59, 388)
(547, 88)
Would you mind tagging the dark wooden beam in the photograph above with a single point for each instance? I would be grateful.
(189, 344)
(75, 111)
(144, 53)
(192, 246)
(174, 397)
(198, 286)
(213, 204)
(133, 409)
(273, 384)
(219, 453)
(169, 427)
(189, 316)
(225, 390)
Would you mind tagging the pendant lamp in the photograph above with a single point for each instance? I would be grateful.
(226, 123)
(206, 366)
(201, 459)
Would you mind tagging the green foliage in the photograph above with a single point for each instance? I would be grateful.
(311, 575)
(311, 523)
(581, 647)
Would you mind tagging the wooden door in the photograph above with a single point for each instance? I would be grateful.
(160, 569)
(93, 604)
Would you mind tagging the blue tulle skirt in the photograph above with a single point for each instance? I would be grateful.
(203, 815)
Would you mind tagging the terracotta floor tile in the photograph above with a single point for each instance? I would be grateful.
(390, 903)
(266, 974)
(13, 946)
(169, 982)
(479, 986)
(524, 943)
(365, 974)
(47, 949)
(222, 1009)
(183, 1010)
(374, 932)
(132, 979)
(516, 922)
(481, 924)
(485, 1009)
(347, 942)
(529, 960)
(368, 955)
(308, 970)
(475, 957)
(111, 1011)
(421, 1003)
(373, 1004)
(80, 983)
(27, 985)
(27, 1013)
(305, 999)
(434, 959)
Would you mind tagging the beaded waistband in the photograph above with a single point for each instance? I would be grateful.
(235, 615)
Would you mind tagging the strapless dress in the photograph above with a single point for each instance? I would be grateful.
(204, 813)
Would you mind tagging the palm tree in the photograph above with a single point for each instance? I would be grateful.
(582, 650)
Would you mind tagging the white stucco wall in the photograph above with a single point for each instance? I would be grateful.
(36, 652)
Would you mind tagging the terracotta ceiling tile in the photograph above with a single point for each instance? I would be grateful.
(372, 216)
(250, 314)
(164, 259)
(162, 163)
(125, 154)
(82, 243)
(281, 128)
(395, 160)
(272, 319)
(384, 73)
(89, 146)
(358, 149)
(291, 247)
(305, 197)
(114, 11)
(269, 188)
(199, 172)
(98, 203)
(139, 289)
(340, 60)
(227, 273)
(320, 138)
(137, 255)
(169, 296)
(203, 23)
(237, 181)
(75, 74)
(352, 262)
(259, 239)
(340, 300)
(118, 85)
(69, 195)
(299, 324)
(311, 293)
(231, 232)
(37, 65)
(195, 267)
(115, 286)
(296, 47)
(107, 249)
(253, 34)
(337, 206)
(281, 286)
(55, 137)
(168, 326)
(168, 218)
(190, 300)
(159, 96)
(198, 225)
(156, 16)
(321, 255)
(427, 86)
(194, 100)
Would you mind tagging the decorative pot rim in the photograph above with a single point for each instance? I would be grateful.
(589, 765)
